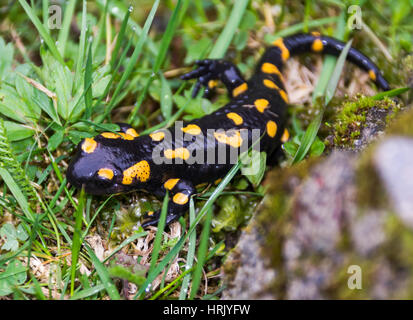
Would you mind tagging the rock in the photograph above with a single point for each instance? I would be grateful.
(254, 268)
(393, 160)
(367, 231)
(330, 223)
(372, 128)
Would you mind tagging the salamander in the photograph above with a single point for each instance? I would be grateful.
(170, 160)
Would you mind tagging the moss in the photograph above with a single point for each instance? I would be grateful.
(407, 75)
(351, 117)
(399, 250)
(129, 216)
(230, 266)
(403, 124)
(370, 191)
(399, 246)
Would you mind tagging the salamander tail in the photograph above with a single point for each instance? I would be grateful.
(284, 48)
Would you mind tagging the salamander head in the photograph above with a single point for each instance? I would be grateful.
(107, 166)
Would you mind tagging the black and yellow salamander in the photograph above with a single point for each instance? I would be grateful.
(122, 162)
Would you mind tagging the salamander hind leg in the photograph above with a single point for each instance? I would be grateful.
(180, 191)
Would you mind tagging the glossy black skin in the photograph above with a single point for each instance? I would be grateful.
(120, 154)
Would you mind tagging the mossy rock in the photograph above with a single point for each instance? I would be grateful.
(337, 227)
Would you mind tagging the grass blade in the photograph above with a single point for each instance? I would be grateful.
(103, 274)
(322, 82)
(159, 233)
(308, 138)
(45, 14)
(225, 38)
(81, 50)
(191, 253)
(77, 240)
(102, 27)
(118, 10)
(202, 253)
(135, 55)
(330, 61)
(169, 33)
(87, 84)
(125, 243)
(391, 93)
(17, 193)
(119, 39)
(312, 129)
(173, 23)
(87, 292)
(332, 84)
(158, 269)
(299, 27)
(64, 31)
(42, 31)
(327, 81)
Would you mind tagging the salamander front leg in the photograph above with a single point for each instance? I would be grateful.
(211, 70)
(179, 193)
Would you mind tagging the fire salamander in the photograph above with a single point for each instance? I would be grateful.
(122, 162)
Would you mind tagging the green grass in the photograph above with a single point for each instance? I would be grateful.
(76, 81)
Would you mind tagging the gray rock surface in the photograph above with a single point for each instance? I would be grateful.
(329, 226)
(255, 268)
(394, 162)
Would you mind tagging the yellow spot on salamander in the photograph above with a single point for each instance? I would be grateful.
(132, 132)
(126, 136)
(240, 89)
(285, 136)
(316, 33)
(216, 182)
(150, 213)
(140, 170)
(106, 173)
(284, 95)
(180, 198)
(261, 104)
(271, 69)
(235, 117)
(270, 84)
(110, 135)
(201, 185)
(372, 75)
(212, 84)
(157, 136)
(317, 45)
(170, 183)
(182, 153)
(118, 135)
(234, 140)
(192, 129)
(89, 145)
(285, 53)
(271, 128)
